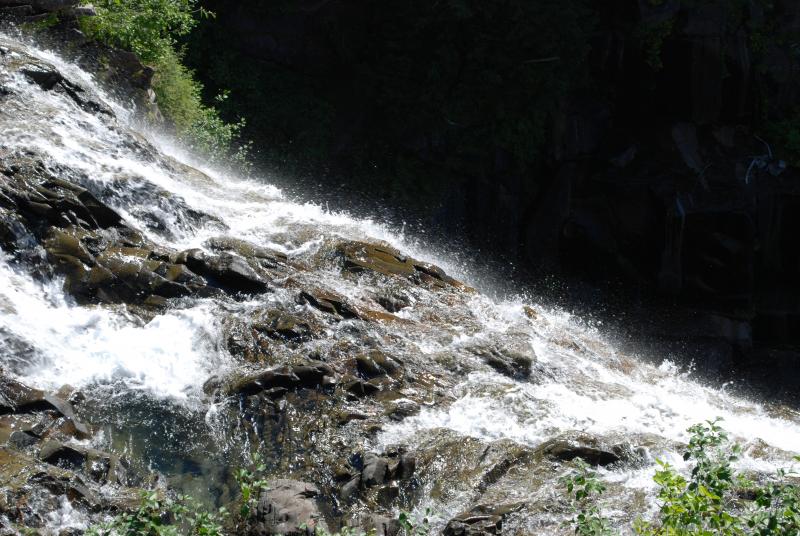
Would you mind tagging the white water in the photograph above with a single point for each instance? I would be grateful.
(585, 383)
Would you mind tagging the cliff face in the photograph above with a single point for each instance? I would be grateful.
(647, 143)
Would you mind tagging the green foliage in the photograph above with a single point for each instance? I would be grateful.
(149, 28)
(251, 481)
(708, 503)
(584, 487)
(179, 96)
(411, 526)
(163, 516)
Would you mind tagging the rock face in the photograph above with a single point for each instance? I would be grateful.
(289, 507)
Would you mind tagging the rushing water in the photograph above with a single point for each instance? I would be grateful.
(581, 383)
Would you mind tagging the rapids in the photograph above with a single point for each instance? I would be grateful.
(143, 376)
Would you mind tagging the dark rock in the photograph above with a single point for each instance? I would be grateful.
(328, 302)
(376, 470)
(375, 363)
(351, 488)
(16, 397)
(66, 456)
(360, 388)
(362, 257)
(308, 376)
(288, 508)
(589, 449)
(400, 409)
(393, 302)
(22, 439)
(49, 80)
(226, 271)
(481, 520)
(507, 362)
(283, 326)
(381, 525)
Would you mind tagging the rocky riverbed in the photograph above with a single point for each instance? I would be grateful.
(161, 321)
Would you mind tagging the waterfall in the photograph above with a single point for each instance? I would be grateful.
(497, 378)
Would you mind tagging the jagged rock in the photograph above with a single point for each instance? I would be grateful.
(267, 258)
(49, 80)
(510, 363)
(114, 274)
(375, 470)
(380, 525)
(375, 363)
(288, 508)
(226, 271)
(99, 466)
(591, 450)
(400, 409)
(16, 397)
(481, 520)
(361, 256)
(360, 388)
(393, 302)
(283, 326)
(288, 377)
(327, 302)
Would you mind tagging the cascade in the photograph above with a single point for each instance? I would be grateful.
(190, 317)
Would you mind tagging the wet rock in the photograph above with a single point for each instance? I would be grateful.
(398, 410)
(65, 456)
(287, 377)
(97, 271)
(226, 271)
(99, 466)
(393, 302)
(266, 258)
(481, 520)
(288, 508)
(21, 440)
(327, 302)
(591, 450)
(508, 362)
(380, 525)
(351, 488)
(360, 388)
(284, 326)
(50, 80)
(362, 257)
(375, 470)
(16, 397)
(375, 363)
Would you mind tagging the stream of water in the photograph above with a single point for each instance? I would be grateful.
(580, 381)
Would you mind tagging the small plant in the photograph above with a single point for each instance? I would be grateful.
(163, 516)
(583, 488)
(413, 526)
(251, 482)
(708, 502)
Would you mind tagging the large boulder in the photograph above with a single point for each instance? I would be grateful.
(288, 508)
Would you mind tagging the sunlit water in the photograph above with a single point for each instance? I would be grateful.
(583, 383)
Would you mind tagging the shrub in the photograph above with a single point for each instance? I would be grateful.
(708, 502)
(163, 516)
(149, 28)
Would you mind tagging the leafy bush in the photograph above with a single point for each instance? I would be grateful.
(710, 502)
(149, 28)
(163, 516)
(583, 488)
(251, 481)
